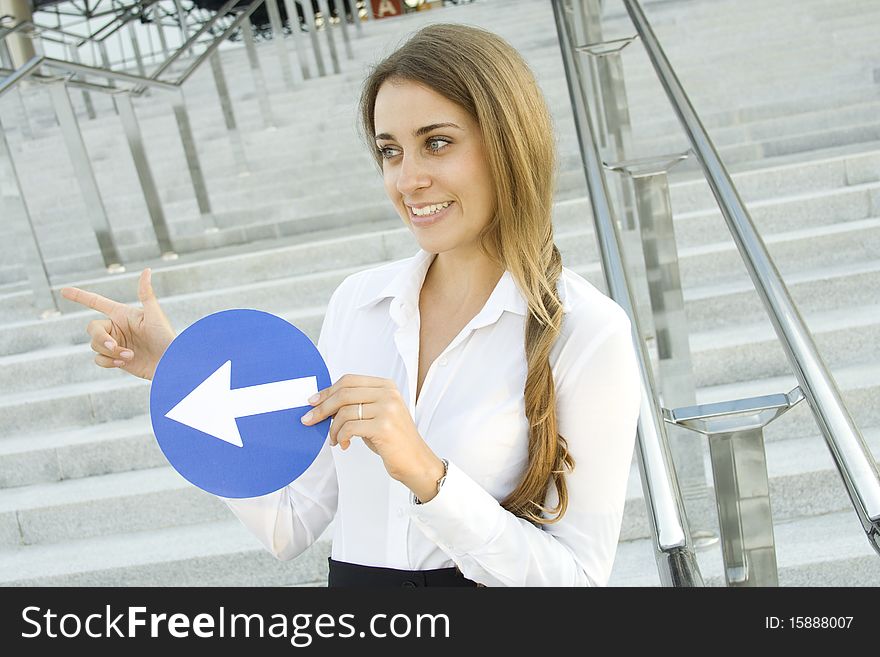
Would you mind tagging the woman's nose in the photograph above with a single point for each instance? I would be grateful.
(412, 175)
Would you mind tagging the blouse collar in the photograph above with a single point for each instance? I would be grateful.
(406, 282)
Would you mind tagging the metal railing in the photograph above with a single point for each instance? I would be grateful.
(134, 85)
(845, 442)
(734, 428)
(673, 548)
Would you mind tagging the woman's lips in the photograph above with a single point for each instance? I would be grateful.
(431, 218)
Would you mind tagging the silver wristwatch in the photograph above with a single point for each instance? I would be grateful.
(416, 500)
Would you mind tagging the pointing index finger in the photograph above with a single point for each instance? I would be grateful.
(90, 300)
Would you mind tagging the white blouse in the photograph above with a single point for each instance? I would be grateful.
(471, 411)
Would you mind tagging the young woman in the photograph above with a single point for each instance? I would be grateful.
(485, 398)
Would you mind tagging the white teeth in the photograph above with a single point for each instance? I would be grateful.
(430, 209)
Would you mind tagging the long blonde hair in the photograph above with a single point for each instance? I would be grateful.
(487, 77)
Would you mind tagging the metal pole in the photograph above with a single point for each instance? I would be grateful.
(343, 23)
(82, 168)
(659, 253)
(356, 17)
(178, 102)
(145, 175)
(331, 43)
(739, 471)
(845, 442)
(184, 27)
(235, 140)
(676, 562)
(34, 262)
(105, 60)
(296, 33)
(278, 38)
(87, 98)
(309, 13)
(6, 61)
(136, 47)
(259, 83)
(157, 20)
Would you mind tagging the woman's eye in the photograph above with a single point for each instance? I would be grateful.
(386, 151)
(437, 143)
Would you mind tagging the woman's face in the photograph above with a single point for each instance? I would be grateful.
(434, 166)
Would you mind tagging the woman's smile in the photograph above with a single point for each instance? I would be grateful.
(429, 214)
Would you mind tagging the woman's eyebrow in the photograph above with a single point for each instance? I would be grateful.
(423, 130)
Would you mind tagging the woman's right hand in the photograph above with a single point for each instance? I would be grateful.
(132, 339)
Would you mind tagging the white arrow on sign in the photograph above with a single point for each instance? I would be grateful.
(213, 406)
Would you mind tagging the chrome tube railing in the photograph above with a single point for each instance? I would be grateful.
(851, 455)
(177, 54)
(673, 549)
(136, 85)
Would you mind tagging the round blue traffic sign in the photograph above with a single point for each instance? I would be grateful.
(227, 398)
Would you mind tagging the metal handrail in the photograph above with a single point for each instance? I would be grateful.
(141, 82)
(851, 455)
(673, 549)
(25, 70)
(244, 15)
(177, 54)
(70, 82)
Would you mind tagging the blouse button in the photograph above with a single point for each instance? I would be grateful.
(443, 361)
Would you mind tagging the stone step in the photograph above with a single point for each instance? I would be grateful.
(765, 181)
(99, 449)
(839, 287)
(825, 550)
(107, 504)
(221, 553)
(747, 351)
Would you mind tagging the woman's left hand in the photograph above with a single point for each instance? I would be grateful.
(387, 427)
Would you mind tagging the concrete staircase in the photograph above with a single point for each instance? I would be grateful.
(789, 92)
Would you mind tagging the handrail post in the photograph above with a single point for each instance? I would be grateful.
(355, 17)
(157, 20)
(85, 176)
(105, 62)
(331, 43)
(184, 128)
(247, 35)
(735, 430)
(588, 29)
(34, 262)
(673, 550)
(184, 27)
(343, 23)
(235, 140)
(655, 236)
(309, 13)
(6, 61)
(296, 34)
(145, 175)
(851, 455)
(87, 97)
(278, 38)
(136, 49)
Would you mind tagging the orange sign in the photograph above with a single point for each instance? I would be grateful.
(387, 8)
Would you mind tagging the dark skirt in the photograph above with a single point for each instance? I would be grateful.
(344, 574)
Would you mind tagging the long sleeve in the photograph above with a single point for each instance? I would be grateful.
(289, 520)
(597, 387)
